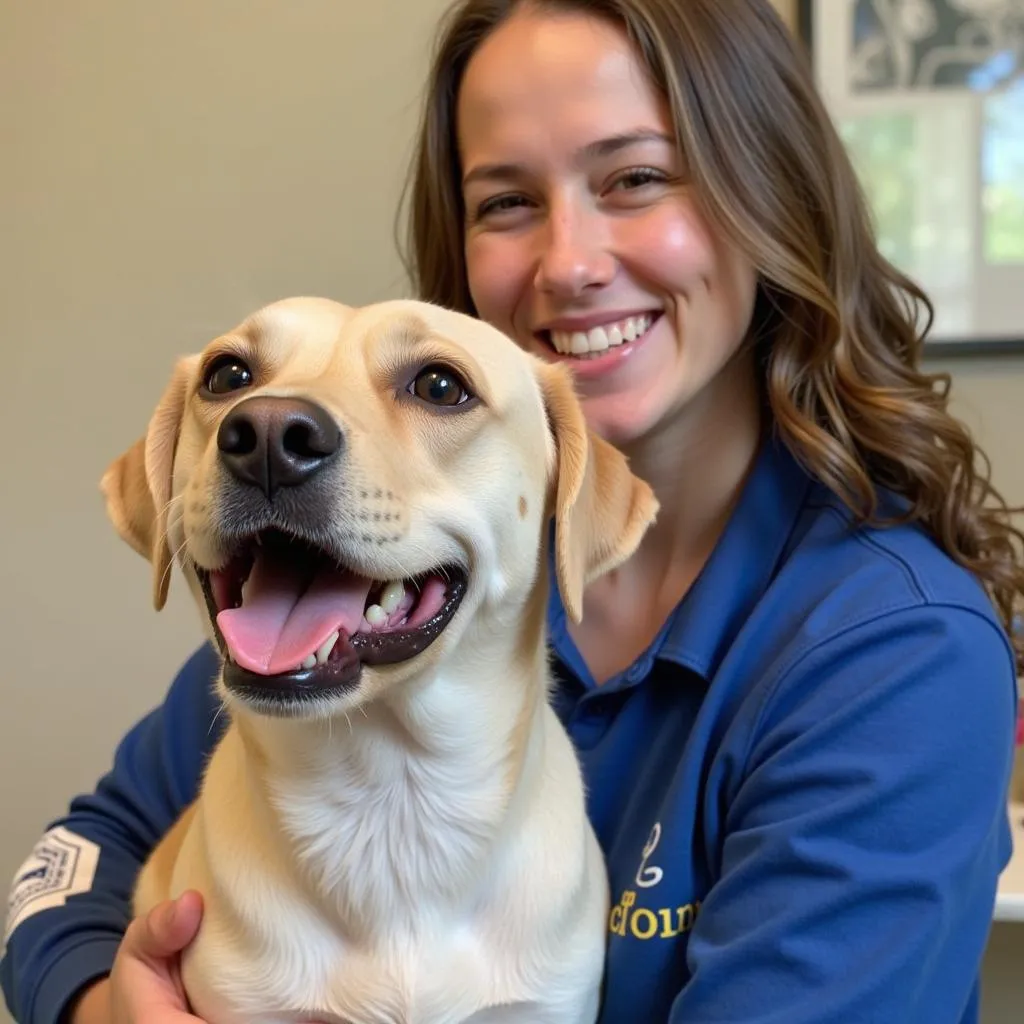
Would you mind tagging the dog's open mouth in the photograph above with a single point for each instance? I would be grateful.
(289, 617)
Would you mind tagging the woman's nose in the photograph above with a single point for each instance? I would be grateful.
(574, 256)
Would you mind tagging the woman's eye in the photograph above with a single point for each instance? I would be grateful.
(499, 204)
(437, 385)
(637, 178)
(226, 374)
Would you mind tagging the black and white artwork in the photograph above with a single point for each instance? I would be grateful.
(935, 44)
(928, 96)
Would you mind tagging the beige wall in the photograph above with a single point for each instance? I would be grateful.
(165, 169)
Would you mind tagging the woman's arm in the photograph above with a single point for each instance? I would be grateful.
(70, 902)
(866, 836)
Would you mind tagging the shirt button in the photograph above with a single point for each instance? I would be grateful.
(637, 672)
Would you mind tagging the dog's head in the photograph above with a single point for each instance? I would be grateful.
(346, 490)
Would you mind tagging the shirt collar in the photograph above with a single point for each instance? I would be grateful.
(705, 623)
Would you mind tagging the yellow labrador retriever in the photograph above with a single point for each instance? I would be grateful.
(392, 828)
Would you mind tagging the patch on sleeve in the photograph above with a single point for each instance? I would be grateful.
(60, 865)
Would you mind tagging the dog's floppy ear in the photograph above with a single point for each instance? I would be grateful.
(137, 484)
(601, 509)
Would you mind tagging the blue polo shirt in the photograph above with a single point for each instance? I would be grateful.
(800, 788)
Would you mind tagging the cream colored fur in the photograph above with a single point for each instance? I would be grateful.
(417, 851)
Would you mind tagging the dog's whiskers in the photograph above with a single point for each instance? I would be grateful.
(170, 565)
(422, 555)
(165, 534)
(221, 708)
(172, 501)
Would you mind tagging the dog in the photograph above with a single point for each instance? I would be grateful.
(392, 827)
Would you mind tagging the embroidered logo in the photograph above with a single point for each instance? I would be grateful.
(626, 918)
(60, 865)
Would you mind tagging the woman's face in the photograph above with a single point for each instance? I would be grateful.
(582, 240)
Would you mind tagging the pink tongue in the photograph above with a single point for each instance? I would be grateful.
(287, 615)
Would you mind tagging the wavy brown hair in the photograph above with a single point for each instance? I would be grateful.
(839, 329)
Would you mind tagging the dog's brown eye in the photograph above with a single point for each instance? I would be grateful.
(439, 386)
(227, 374)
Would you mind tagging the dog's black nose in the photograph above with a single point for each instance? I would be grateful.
(277, 442)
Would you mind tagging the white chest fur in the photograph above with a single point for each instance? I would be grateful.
(379, 880)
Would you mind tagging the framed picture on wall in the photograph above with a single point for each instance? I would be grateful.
(928, 96)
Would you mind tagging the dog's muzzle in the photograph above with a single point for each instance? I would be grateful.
(294, 621)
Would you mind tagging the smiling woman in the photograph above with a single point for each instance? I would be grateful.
(608, 211)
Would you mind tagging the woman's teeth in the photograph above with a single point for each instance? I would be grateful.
(599, 339)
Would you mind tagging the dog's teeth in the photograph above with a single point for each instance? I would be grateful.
(325, 651)
(391, 596)
(309, 661)
(375, 615)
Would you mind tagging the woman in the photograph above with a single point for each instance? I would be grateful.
(795, 704)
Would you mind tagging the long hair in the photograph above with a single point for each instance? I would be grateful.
(839, 329)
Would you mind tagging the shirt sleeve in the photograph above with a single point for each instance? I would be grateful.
(70, 902)
(866, 834)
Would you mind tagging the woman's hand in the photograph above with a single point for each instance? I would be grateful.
(145, 986)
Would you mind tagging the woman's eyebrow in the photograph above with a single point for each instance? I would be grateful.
(613, 143)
